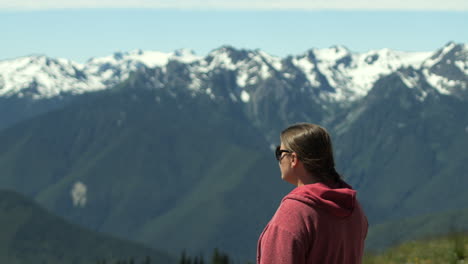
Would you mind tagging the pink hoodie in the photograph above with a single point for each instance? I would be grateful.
(315, 224)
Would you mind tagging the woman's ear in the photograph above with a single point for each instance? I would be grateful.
(294, 160)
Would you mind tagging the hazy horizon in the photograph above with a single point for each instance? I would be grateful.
(80, 34)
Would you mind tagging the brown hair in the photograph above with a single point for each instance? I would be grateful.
(314, 149)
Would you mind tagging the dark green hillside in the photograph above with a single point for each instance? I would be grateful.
(406, 156)
(170, 169)
(30, 234)
(14, 109)
(384, 235)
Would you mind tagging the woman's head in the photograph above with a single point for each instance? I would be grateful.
(313, 147)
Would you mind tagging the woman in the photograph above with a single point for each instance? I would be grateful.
(320, 221)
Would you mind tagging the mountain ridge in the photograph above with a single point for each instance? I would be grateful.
(348, 75)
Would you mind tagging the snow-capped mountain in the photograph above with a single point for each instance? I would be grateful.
(116, 68)
(250, 67)
(334, 74)
(43, 77)
(447, 69)
(351, 75)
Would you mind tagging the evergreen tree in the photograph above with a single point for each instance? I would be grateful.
(147, 260)
(215, 258)
(219, 258)
(102, 261)
(184, 259)
(225, 259)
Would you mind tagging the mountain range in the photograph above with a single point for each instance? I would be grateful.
(319, 78)
(175, 150)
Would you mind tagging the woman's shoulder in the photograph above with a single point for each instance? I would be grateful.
(294, 216)
(293, 208)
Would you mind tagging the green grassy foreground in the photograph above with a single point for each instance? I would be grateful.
(448, 249)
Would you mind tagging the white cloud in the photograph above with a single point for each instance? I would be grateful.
(454, 5)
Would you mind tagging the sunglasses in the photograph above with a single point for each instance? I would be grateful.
(280, 151)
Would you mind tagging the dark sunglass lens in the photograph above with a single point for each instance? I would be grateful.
(278, 153)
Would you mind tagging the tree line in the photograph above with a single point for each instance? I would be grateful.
(217, 257)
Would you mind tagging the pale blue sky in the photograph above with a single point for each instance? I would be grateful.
(80, 34)
(454, 5)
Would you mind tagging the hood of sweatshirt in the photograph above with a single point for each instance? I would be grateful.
(338, 199)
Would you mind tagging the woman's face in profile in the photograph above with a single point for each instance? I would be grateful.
(285, 166)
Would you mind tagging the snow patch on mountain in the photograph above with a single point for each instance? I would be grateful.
(438, 56)
(352, 75)
(372, 65)
(44, 77)
(266, 63)
(440, 83)
(196, 83)
(327, 61)
(308, 68)
(209, 92)
(245, 96)
(463, 66)
(242, 79)
(249, 70)
(117, 67)
(273, 61)
(331, 54)
(185, 56)
(413, 59)
(446, 70)
(412, 81)
(131, 59)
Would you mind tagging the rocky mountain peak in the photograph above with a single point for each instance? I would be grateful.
(333, 74)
